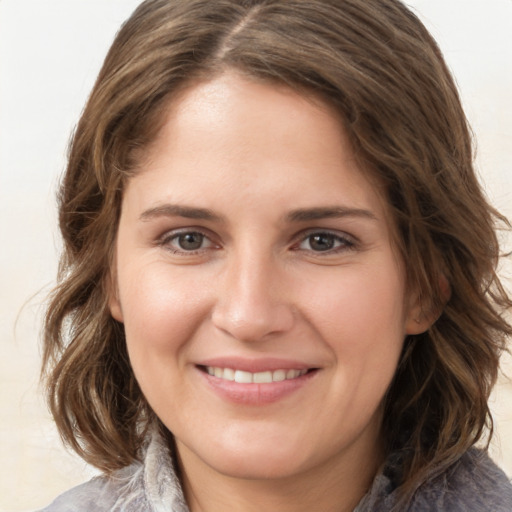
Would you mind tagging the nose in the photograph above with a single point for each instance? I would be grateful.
(251, 302)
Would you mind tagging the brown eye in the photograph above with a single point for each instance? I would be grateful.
(331, 243)
(187, 243)
(190, 241)
(322, 242)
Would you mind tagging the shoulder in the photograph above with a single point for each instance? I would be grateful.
(146, 485)
(83, 497)
(123, 490)
(473, 484)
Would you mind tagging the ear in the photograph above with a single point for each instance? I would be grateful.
(419, 317)
(114, 303)
(115, 308)
(418, 321)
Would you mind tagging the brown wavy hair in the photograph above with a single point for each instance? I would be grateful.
(377, 65)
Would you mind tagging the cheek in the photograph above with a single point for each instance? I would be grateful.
(161, 310)
(361, 300)
(361, 315)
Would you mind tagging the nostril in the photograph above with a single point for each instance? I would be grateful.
(253, 321)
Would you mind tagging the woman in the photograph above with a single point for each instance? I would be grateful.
(278, 289)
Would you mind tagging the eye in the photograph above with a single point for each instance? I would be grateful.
(325, 242)
(189, 241)
(186, 242)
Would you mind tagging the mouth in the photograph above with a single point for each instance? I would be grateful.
(269, 381)
(264, 377)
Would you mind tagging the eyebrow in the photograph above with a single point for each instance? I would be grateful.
(309, 214)
(176, 210)
(299, 215)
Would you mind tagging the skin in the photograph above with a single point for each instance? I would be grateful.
(260, 285)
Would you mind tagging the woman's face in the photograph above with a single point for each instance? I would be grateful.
(263, 302)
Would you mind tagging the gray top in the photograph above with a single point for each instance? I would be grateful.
(473, 484)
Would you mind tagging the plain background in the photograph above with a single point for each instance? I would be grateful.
(50, 54)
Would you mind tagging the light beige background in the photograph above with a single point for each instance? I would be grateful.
(50, 53)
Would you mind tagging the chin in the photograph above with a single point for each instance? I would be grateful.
(260, 466)
(251, 461)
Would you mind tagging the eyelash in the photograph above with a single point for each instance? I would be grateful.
(166, 240)
(344, 241)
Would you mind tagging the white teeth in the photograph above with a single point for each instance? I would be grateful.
(279, 375)
(243, 377)
(229, 374)
(292, 374)
(262, 377)
(258, 378)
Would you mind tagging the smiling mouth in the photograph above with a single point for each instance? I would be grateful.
(265, 377)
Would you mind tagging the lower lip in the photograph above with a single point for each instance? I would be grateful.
(256, 394)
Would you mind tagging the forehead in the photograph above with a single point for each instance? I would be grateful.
(253, 137)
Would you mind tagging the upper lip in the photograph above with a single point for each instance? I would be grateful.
(255, 365)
